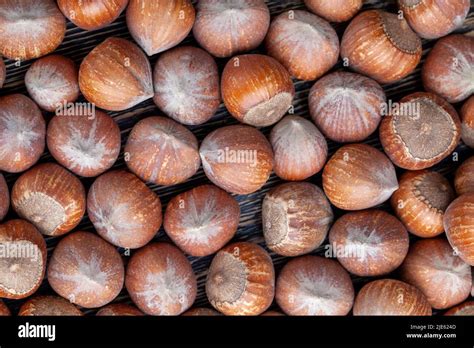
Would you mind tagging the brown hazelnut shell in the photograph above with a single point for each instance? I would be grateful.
(375, 241)
(200, 312)
(467, 122)
(50, 197)
(299, 148)
(241, 280)
(3, 72)
(295, 37)
(202, 220)
(459, 226)
(116, 75)
(22, 133)
(237, 158)
(159, 25)
(466, 308)
(464, 177)
(52, 81)
(30, 29)
(345, 106)
(4, 310)
(123, 210)
(186, 83)
(334, 10)
(422, 136)
(358, 176)
(433, 268)
(86, 270)
(160, 280)
(295, 218)
(313, 285)
(432, 19)
(215, 28)
(86, 145)
(48, 306)
(4, 197)
(256, 89)
(449, 66)
(119, 309)
(421, 200)
(21, 276)
(390, 297)
(162, 151)
(381, 45)
(92, 14)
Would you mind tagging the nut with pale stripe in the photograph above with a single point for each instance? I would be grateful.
(466, 308)
(421, 200)
(381, 45)
(23, 265)
(313, 285)
(241, 280)
(160, 280)
(50, 197)
(86, 270)
(296, 218)
(432, 266)
(390, 297)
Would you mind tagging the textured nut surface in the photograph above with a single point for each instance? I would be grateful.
(48, 306)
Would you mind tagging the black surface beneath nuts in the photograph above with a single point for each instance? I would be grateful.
(78, 43)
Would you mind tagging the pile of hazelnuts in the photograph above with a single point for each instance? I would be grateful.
(416, 257)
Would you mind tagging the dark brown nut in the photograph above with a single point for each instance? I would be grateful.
(4, 197)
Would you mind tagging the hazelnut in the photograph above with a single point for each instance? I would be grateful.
(295, 37)
(30, 29)
(464, 178)
(48, 306)
(162, 151)
(224, 28)
(50, 198)
(359, 176)
(86, 270)
(345, 106)
(390, 297)
(466, 308)
(433, 268)
(449, 68)
(92, 15)
(119, 309)
(116, 75)
(369, 243)
(421, 200)
(201, 312)
(3, 72)
(4, 311)
(421, 133)
(159, 25)
(52, 81)
(467, 122)
(272, 314)
(256, 89)
(123, 210)
(186, 82)
(241, 280)
(459, 226)
(202, 220)
(299, 148)
(313, 285)
(87, 145)
(237, 158)
(296, 218)
(23, 261)
(4, 197)
(381, 45)
(334, 10)
(22, 133)
(432, 19)
(160, 280)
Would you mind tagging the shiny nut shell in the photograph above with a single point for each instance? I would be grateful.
(467, 122)
(464, 177)
(334, 10)
(48, 306)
